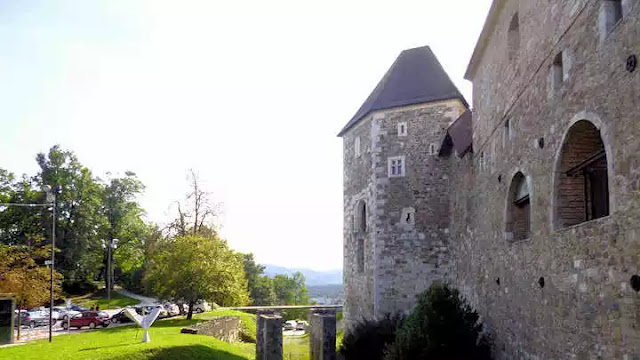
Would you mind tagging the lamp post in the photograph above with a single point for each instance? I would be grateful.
(110, 244)
(52, 193)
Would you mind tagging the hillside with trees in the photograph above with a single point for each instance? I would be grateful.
(182, 261)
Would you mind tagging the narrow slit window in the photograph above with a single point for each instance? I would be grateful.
(356, 146)
(514, 37)
(557, 71)
(402, 129)
(612, 13)
(507, 131)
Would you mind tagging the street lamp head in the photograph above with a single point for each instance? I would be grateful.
(46, 188)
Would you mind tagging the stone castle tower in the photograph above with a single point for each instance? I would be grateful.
(396, 187)
(530, 205)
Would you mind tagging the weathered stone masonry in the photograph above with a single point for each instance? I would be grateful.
(557, 287)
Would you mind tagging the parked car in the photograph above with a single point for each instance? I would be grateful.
(32, 319)
(63, 313)
(88, 318)
(163, 312)
(201, 306)
(120, 318)
(290, 325)
(302, 325)
(172, 309)
(78, 308)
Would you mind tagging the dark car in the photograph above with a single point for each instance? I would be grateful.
(32, 319)
(120, 318)
(88, 318)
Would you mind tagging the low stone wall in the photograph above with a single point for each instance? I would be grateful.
(226, 328)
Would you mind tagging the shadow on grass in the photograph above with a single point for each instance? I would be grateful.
(109, 346)
(191, 352)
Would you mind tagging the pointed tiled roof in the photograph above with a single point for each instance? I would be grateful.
(415, 77)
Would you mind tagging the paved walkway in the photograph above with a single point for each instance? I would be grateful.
(144, 300)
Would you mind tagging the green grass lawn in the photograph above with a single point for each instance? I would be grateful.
(124, 343)
(295, 347)
(100, 298)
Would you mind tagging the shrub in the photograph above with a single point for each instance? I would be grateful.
(441, 327)
(368, 338)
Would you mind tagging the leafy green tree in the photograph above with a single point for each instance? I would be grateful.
(20, 225)
(24, 276)
(124, 222)
(188, 268)
(79, 216)
(291, 290)
(442, 326)
(260, 286)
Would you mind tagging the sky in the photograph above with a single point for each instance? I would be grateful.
(249, 94)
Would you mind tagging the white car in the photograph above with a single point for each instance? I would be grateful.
(172, 309)
(290, 325)
(201, 306)
(63, 313)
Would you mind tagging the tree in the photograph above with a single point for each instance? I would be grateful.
(79, 216)
(196, 212)
(124, 222)
(188, 268)
(291, 290)
(260, 286)
(23, 275)
(442, 326)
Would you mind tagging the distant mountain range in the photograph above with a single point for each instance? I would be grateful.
(312, 277)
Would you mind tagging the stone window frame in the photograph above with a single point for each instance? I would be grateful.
(611, 14)
(361, 221)
(408, 217)
(607, 139)
(513, 37)
(515, 203)
(392, 166)
(357, 147)
(508, 131)
(433, 149)
(402, 129)
(558, 71)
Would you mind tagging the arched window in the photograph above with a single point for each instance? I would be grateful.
(361, 216)
(518, 209)
(514, 37)
(582, 186)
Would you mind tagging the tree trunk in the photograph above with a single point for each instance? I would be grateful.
(190, 314)
(19, 320)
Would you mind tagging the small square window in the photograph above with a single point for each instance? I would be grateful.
(402, 129)
(396, 166)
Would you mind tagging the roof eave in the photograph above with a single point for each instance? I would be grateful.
(351, 125)
(481, 45)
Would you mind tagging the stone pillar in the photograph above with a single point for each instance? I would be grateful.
(323, 336)
(7, 315)
(269, 337)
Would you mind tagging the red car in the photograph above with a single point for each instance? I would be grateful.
(88, 318)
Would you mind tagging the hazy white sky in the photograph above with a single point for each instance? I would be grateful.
(251, 94)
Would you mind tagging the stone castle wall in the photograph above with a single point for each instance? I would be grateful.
(586, 308)
(564, 291)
